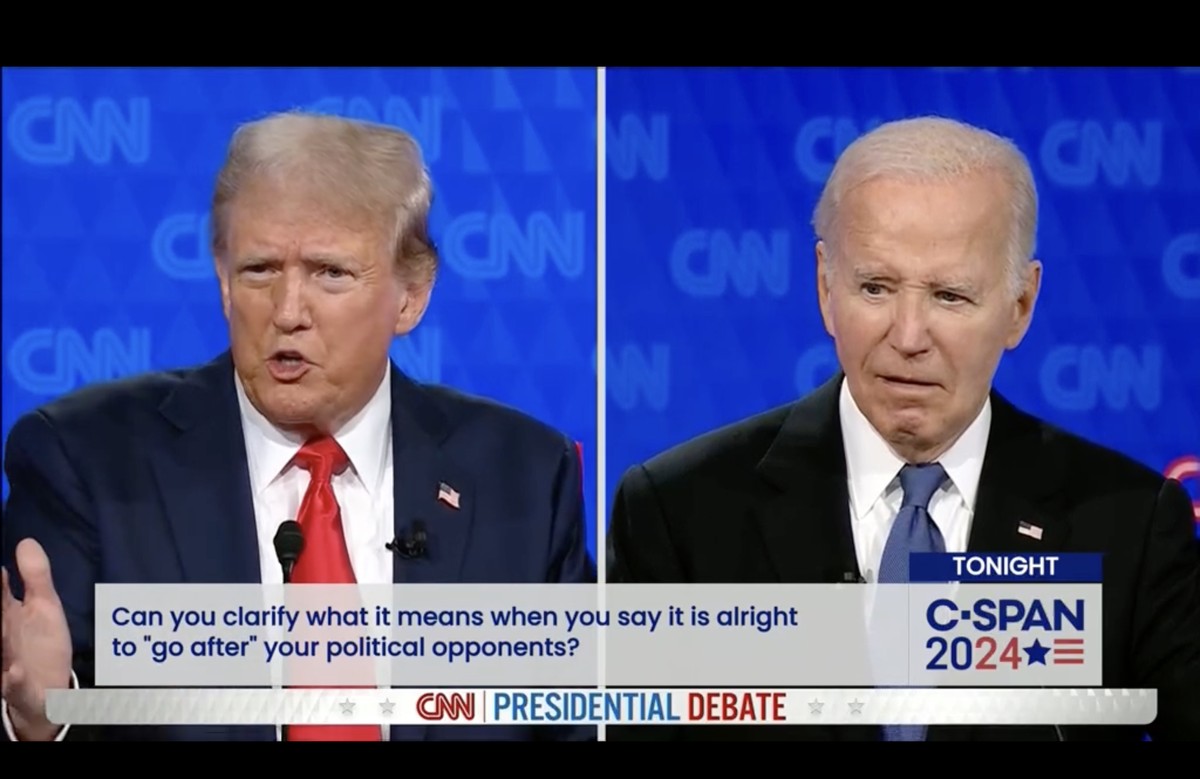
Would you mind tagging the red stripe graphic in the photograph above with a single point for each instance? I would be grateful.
(1068, 651)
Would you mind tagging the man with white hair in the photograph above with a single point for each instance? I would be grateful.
(323, 256)
(925, 276)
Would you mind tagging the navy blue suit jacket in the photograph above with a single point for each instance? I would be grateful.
(144, 480)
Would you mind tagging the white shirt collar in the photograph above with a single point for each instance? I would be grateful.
(365, 439)
(871, 465)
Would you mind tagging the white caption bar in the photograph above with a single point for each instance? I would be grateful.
(817, 706)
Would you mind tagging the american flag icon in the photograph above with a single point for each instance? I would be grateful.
(448, 495)
(1033, 531)
(1067, 651)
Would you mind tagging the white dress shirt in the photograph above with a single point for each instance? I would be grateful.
(364, 490)
(873, 478)
(364, 493)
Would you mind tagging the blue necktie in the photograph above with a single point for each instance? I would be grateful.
(912, 532)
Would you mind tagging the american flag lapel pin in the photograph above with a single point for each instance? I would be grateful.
(1033, 531)
(448, 495)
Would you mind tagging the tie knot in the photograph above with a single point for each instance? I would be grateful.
(322, 457)
(919, 482)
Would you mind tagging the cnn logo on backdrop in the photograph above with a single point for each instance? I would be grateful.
(1187, 470)
(441, 706)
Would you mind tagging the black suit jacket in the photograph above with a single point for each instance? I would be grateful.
(765, 500)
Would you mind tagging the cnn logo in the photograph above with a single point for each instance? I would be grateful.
(438, 706)
(1187, 469)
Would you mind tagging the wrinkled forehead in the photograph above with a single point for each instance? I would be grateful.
(956, 230)
(960, 204)
(965, 210)
(281, 196)
(277, 213)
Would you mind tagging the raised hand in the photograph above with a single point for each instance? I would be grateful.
(37, 645)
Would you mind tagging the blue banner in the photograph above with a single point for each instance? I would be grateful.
(1077, 568)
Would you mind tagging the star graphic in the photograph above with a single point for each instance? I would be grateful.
(815, 706)
(347, 706)
(856, 706)
(387, 707)
(1037, 652)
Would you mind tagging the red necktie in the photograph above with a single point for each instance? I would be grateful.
(324, 559)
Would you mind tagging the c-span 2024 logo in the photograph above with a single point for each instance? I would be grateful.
(1010, 632)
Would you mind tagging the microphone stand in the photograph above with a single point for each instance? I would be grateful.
(289, 542)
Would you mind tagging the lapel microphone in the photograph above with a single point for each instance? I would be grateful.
(413, 545)
(289, 543)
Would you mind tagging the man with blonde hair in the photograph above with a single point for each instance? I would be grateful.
(925, 276)
(323, 256)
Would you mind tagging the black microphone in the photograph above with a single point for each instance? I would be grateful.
(411, 547)
(289, 542)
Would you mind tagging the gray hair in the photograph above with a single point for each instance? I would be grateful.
(374, 171)
(935, 148)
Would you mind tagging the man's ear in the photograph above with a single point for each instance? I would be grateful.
(1023, 306)
(221, 265)
(823, 289)
(414, 301)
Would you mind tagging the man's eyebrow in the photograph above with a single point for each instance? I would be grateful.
(311, 258)
(332, 258)
(256, 259)
(865, 273)
(871, 273)
(952, 285)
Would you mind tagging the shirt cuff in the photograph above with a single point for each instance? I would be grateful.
(8, 726)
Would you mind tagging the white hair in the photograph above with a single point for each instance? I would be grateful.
(930, 149)
(368, 170)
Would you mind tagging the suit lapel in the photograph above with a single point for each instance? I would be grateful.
(204, 483)
(422, 468)
(204, 480)
(1016, 508)
(805, 521)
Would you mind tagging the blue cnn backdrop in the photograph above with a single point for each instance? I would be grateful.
(712, 176)
(107, 180)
